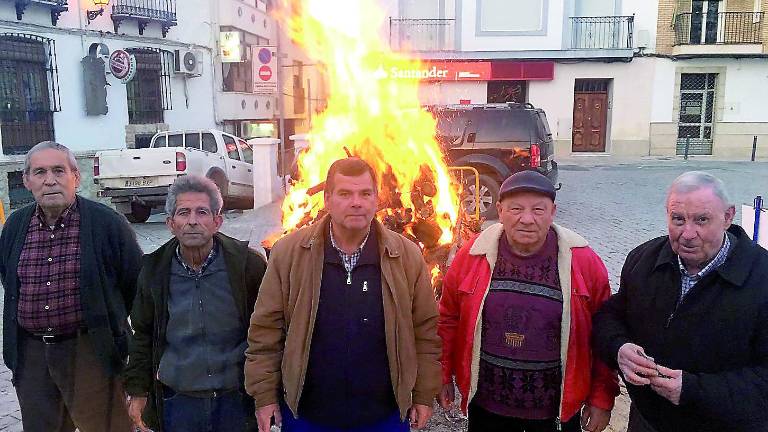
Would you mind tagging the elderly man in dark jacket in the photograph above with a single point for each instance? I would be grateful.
(689, 326)
(68, 267)
(196, 295)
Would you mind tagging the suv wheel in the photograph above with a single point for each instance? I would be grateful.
(139, 213)
(489, 194)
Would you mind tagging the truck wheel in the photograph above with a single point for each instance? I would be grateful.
(489, 194)
(139, 213)
(221, 183)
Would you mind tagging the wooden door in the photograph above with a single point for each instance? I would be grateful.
(590, 120)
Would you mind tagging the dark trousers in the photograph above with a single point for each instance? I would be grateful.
(481, 420)
(390, 424)
(62, 386)
(637, 422)
(232, 411)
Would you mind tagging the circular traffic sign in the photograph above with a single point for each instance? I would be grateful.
(122, 64)
(265, 55)
(265, 73)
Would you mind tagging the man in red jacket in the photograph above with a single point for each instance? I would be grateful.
(516, 321)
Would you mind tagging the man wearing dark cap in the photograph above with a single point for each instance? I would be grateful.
(516, 321)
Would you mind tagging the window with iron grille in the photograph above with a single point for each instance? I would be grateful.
(696, 120)
(507, 91)
(29, 91)
(149, 92)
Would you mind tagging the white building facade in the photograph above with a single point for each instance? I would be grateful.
(579, 60)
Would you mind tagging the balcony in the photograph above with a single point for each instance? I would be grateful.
(56, 7)
(406, 34)
(145, 12)
(726, 33)
(602, 33)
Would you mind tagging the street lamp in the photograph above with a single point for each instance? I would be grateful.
(93, 14)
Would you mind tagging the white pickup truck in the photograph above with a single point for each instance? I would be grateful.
(137, 180)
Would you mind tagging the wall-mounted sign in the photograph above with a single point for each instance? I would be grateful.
(265, 79)
(437, 70)
(231, 47)
(122, 64)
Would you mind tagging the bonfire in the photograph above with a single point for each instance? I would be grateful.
(377, 118)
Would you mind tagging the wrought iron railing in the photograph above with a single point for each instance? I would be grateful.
(605, 32)
(162, 11)
(57, 7)
(422, 34)
(722, 28)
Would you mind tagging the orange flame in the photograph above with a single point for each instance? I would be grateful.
(435, 273)
(376, 118)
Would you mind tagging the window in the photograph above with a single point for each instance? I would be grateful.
(161, 141)
(247, 151)
(503, 126)
(18, 195)
(209, 143)
(192, 140)
(238, 77)
(149, 91)
(511, 16)
(231, 146)
(507, 91)
(176, 140)
(28, 91)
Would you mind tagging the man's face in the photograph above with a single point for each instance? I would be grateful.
(51, 179)
(697, 222)
(353, 202)
(527, 217)
(194, 223)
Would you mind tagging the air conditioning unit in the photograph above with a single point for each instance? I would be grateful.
(188, 62)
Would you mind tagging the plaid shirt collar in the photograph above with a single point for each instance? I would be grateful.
(689, 280)
(349, 260)
(64, 218)
(208, 260)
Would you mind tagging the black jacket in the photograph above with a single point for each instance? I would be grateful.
(718, 336)
(110, 261)
(150, 313)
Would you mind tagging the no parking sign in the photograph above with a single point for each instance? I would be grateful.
(265, 81)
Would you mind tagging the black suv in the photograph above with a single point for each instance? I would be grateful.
(498, 140)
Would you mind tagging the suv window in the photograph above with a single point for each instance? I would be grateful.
(209, 143)
(192, 140)
(176, 140)
(502, 125)
(450, 127)
(231, 147)
(543, 126)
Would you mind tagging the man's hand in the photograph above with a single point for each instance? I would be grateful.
(594, 419)
(447, 396)
(635, 365)
(668, 388)
(265, 414)
(419, 415)
(135, 408)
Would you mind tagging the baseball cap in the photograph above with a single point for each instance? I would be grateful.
(527, 181)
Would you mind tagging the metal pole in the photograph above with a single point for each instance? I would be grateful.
(754, 147)
(281, 106)
(758, 210)
(309, 103)
(687, 147)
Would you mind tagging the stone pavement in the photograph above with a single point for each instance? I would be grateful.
(615, 204)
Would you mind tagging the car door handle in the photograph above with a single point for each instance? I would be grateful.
(249, 170)
(234, 167)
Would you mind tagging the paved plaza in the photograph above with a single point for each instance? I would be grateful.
(616, 205)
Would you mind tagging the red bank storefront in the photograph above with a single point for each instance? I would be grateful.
(492, 81)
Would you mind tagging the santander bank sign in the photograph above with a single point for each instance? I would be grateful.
(442, 71)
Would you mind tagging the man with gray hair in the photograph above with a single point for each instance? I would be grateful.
(688, 328)
(68, 267)
(195, 296)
